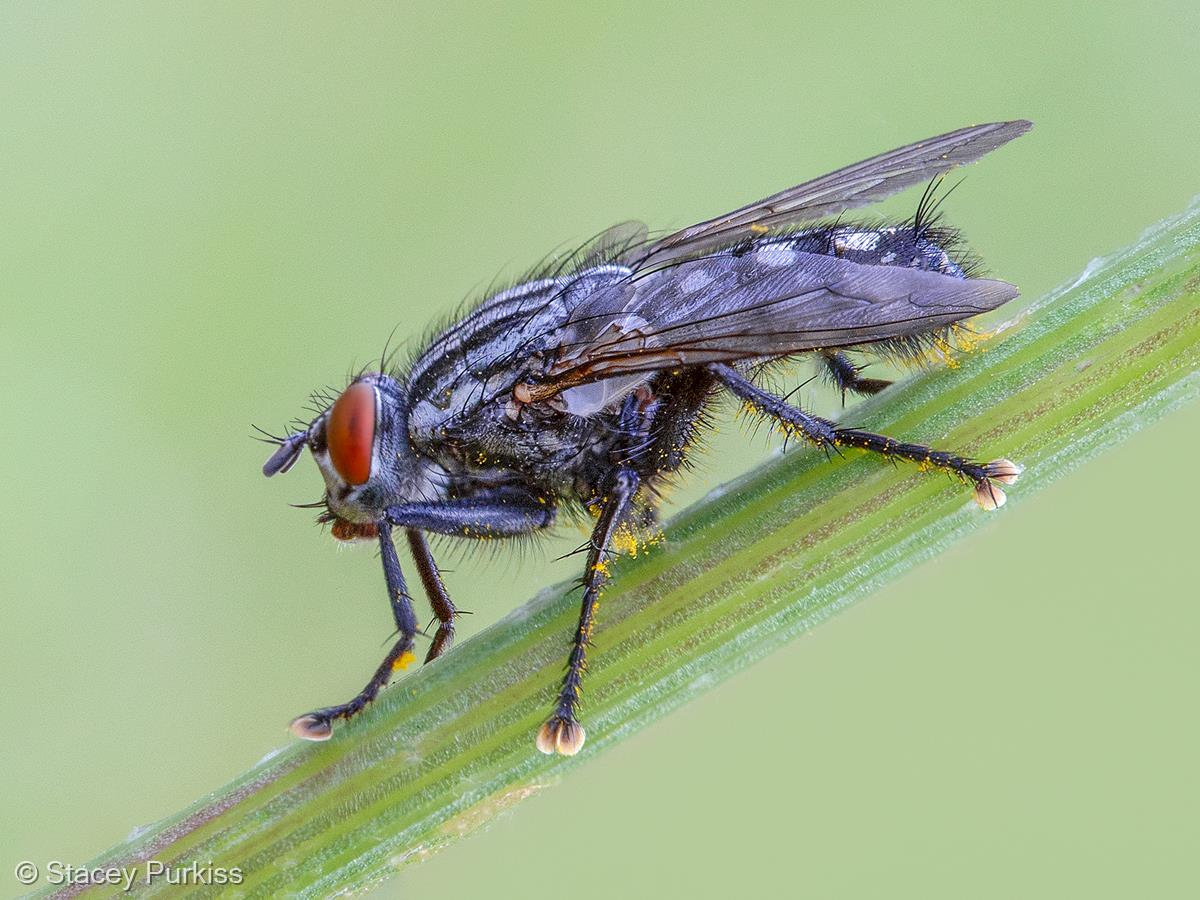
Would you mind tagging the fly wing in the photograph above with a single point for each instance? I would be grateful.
(856, 185)
(770, 302)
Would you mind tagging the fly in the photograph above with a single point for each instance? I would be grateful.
(586, 384)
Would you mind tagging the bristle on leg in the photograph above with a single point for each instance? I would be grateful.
(562, 736)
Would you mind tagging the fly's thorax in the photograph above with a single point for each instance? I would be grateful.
(469, 395)
(506, 339)
(543, 444)
(361, 447)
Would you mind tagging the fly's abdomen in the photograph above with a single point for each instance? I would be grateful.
(908, 245)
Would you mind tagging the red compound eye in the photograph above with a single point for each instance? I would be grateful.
(350, 433)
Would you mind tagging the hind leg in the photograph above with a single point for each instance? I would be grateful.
(846, 376)
(830, 436)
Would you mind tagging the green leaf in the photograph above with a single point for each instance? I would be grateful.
(753, 566)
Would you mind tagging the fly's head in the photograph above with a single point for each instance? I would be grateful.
(360, 444)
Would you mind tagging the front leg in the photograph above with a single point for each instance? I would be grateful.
(562, 732)
(435, 590)
(318, 725)
(501, 512)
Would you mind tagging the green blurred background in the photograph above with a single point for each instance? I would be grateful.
(210, 209)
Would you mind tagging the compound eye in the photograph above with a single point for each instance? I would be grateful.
(350, 433)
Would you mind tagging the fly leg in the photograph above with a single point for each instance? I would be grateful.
(846, 376)
(318, 725)
(562, 732)
(501, 512)
(435, 590)
(492, 514)
(830, 436)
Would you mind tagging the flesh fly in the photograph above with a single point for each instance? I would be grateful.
(586, 384)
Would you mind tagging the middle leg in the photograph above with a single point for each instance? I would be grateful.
(318, 725)
(562, 732)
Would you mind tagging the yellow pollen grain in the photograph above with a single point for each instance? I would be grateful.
(403, 661)
(626, 542)
(969, 341)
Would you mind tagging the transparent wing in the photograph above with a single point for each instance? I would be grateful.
(770, 302)
(856, 185)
